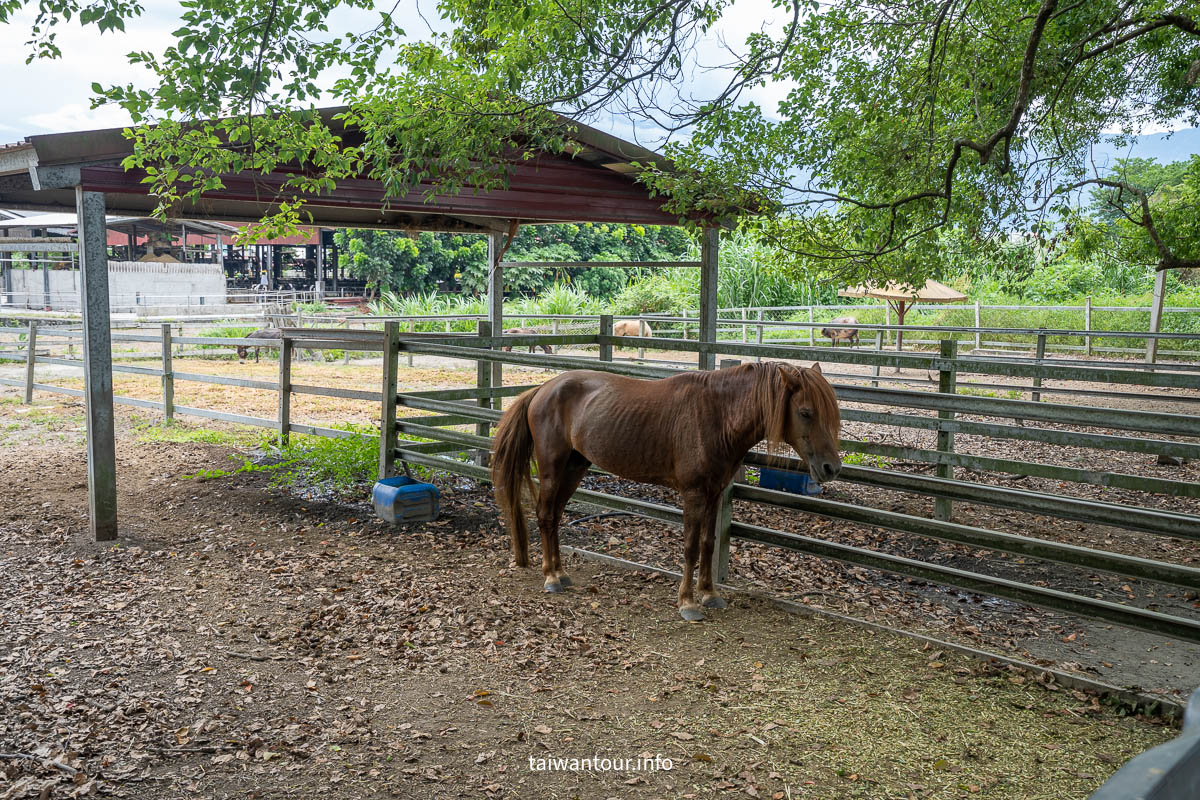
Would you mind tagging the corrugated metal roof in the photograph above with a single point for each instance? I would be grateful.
(597, 183)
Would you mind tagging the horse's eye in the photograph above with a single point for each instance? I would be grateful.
(806, 413)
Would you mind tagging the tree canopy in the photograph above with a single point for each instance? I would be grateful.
(458, 262)
(898, 118)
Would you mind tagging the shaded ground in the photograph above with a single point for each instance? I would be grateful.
(242, 641)
(1114, 655)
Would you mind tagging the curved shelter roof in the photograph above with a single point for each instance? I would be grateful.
(597, 183)
(931, 292)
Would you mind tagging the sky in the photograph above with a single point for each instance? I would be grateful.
(54, 96)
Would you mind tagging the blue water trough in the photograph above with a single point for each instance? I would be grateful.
(403, 499)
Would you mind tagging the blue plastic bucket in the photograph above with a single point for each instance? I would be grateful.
(402, 499)
(785, 480)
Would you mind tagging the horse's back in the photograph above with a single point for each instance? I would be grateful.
(627, 426)
(265, 333)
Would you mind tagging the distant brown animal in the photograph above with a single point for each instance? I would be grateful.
(243, 350)
(688, 432)
(545, 347)
(836, 335)
(632, 327)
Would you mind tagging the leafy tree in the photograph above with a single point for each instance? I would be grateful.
(901, 117)
(383, 260)
(458, 262)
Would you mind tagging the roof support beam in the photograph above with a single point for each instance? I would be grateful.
(710, 246)
(97, 366)
(495, 300)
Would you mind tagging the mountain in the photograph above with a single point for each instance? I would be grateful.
(1165, 147)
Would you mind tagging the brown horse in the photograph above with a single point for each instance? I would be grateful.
(836, 335)
(545, 347)
(689, 432)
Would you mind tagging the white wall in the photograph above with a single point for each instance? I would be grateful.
(130, 284)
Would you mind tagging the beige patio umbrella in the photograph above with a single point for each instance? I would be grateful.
(901, 297)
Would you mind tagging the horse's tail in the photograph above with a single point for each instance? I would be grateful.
(646, 329)
(510, 471)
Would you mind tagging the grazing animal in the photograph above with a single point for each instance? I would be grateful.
(689, 432)
(545, 347)
(836, 335)
(632, 327)
(243, 350)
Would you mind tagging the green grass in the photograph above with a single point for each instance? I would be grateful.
(314, 463)
(867, 460)
(180, 433)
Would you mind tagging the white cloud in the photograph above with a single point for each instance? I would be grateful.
(79, 117)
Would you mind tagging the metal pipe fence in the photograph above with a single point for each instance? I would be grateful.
(440, 442)
(1125, 430)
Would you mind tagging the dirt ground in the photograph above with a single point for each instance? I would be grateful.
(1144, 662)
(243, 641)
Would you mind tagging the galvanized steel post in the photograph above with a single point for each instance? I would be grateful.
(495, 303)
(710, 245)
(387, 417)
(97, 365)
(947, 375)
(30, 360)
(720, 556)
(483, 381)
(1039, 354)
(759, 338)
(1156, 312)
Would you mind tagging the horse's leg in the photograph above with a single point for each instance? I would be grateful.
(708, 593)
(557, 480)
(694, 512)
(569, 479)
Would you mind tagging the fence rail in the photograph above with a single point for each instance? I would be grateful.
(438, 441)
(1173, 431)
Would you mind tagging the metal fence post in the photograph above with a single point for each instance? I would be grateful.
(745, 330)
(606, 332)
(720, 555)
(1156, 314)
(943, 508)
(30, 360)
(168, 374)
(878, 350)
(412, 328)
(483, 381)
(285, 390)
(759, 337)
(978, 325)
(1087, 325)
(1039, 354)
(387, 417)
(812, 332)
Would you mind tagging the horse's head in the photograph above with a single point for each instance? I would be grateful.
(811, 421)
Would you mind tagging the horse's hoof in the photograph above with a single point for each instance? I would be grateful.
(565, 580)
(553, 588)
(715, 602)
(691, 614)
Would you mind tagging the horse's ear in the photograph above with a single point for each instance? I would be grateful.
(816, 367)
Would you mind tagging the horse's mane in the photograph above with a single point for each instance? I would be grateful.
(774, 384)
